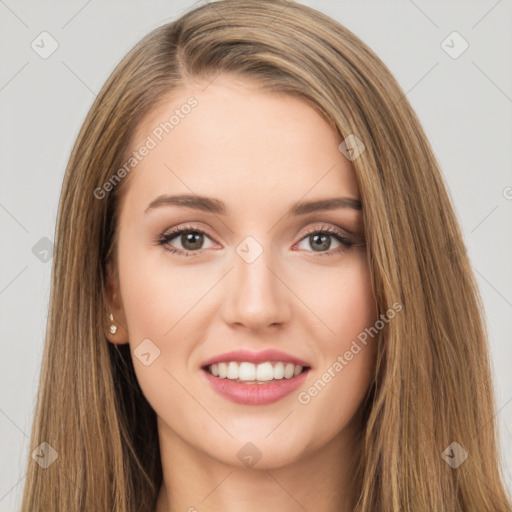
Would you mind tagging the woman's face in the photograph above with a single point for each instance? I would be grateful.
(256, 284)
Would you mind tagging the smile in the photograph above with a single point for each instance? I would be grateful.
(269, 377)
(251, 373)
(255, 378)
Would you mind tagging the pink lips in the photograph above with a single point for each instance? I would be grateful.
(255, 394)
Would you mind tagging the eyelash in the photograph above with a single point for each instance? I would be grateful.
(165, 238)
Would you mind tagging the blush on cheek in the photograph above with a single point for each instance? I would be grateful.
(348, 304)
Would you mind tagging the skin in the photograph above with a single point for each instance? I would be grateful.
(258, 152)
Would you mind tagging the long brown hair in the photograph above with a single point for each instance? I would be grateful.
(432, 383)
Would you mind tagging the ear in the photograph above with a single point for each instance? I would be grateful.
(114, 307)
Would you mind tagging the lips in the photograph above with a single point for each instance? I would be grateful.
(255, 378)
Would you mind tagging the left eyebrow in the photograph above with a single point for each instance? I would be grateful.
(216, 206)
(304, 207)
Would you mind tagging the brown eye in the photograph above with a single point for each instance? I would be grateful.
(184, 240)
(191, 241)
(320, 241)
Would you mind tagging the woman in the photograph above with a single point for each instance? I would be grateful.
(208, 347)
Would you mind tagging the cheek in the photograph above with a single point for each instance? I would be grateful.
(162, 303)
(156, 294)
(359, 310)
(357, 314)
(156, 299)
(348, 353)
(342, 300)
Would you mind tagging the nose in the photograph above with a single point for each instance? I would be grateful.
(257, 297)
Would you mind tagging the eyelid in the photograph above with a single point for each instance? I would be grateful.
(184, 227)
(326, 228)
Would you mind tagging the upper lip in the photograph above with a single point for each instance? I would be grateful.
(255, 357)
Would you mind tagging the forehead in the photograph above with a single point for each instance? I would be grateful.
(230, 138)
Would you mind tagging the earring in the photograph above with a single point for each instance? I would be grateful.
(113, 328)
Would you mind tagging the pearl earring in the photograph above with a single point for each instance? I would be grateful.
(113, 328)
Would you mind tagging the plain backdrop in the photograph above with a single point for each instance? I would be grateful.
(463, 101)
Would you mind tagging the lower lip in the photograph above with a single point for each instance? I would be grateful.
(255, 394)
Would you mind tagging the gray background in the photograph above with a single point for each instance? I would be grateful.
(464, 104)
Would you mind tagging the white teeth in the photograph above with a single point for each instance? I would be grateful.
(223, 370)
(288, 371)
(232, 371)
(250, 372)
(279, 371)
(264, 371)
(247, 371)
